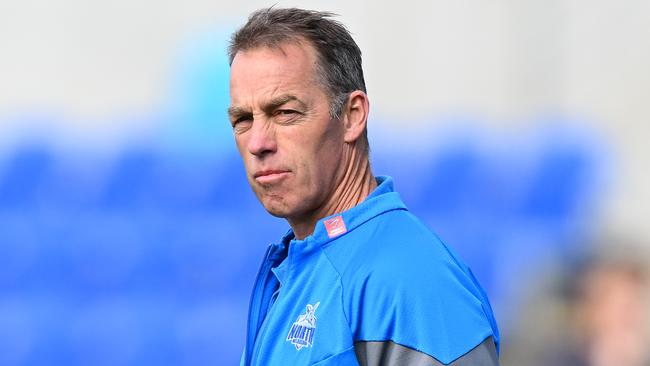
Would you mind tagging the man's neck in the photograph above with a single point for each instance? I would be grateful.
(355, 184)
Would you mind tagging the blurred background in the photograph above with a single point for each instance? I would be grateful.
(518, 130)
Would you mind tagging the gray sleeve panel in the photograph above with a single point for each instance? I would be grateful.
(388, 353)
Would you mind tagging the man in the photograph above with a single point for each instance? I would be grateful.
(357, 280)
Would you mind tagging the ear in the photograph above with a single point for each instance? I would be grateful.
(355, 115)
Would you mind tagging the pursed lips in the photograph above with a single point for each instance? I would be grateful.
(270, 176)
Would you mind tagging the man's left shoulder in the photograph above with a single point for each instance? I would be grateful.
(410, 282)
(399, 241)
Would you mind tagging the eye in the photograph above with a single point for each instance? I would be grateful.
(241, 124)
(286, 116)
(240, 119)
(286, 112)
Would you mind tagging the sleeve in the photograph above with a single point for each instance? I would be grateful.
(388, 353)
(421, 309)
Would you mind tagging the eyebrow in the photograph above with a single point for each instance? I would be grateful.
(280, 101)
(236, 111)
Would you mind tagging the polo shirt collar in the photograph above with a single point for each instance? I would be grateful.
(382, 199)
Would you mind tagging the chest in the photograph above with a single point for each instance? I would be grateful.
(306, 325)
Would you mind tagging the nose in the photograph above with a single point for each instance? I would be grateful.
(261, 140)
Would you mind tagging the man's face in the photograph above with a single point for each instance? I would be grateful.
(291, 148)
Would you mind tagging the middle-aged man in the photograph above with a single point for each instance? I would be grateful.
(358, 280)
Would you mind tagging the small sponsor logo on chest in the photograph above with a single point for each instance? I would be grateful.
(335, 226)
(302, 331)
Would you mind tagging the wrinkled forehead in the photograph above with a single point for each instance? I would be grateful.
(265, 68)
(298, 52)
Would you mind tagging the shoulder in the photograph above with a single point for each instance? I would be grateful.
(395, 243)
(402, 283)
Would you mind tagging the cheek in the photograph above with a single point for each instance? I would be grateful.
(240, 142)
(322, 162)
(314, 153)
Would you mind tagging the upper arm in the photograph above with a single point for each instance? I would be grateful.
(388, 353)
(424, 301)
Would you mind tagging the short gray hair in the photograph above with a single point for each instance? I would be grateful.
(338, 67)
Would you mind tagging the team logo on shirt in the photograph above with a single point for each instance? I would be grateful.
(302, 330)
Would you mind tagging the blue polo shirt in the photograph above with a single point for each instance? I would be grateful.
(368, 279)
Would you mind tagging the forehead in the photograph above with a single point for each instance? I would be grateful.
(290, 62)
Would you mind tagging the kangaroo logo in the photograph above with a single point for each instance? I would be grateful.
(302, 330)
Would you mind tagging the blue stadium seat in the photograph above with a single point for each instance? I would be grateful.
(131, 180)
(23, 181)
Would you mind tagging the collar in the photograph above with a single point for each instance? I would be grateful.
(382, 199)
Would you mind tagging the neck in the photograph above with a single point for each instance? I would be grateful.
(351, 188)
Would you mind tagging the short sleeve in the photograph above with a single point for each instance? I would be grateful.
(415, 293)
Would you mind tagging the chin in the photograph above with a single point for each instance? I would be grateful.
(276, 208)
(281, 208)
(277, 213)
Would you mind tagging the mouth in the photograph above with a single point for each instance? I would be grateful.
(270, 176)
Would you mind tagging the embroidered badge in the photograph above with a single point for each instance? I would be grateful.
(335, 226)
(302, 330)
